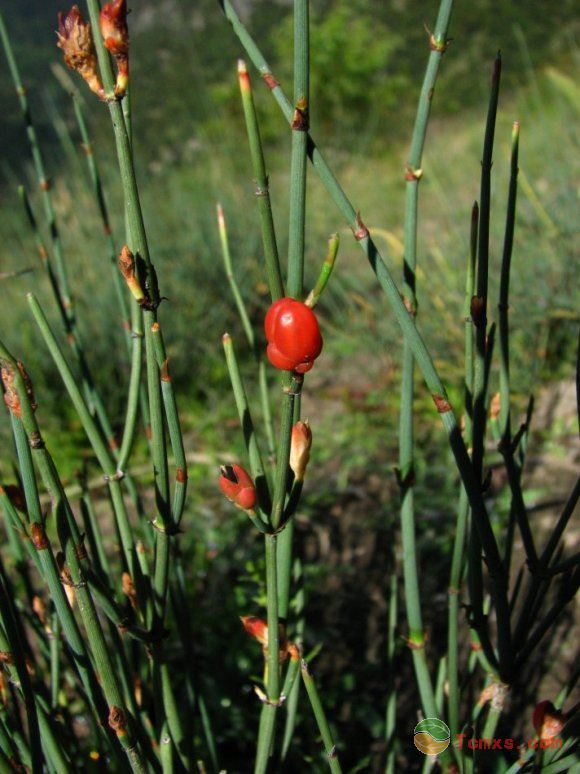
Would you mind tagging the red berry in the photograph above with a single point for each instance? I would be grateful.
(294, 340)
(238, 486)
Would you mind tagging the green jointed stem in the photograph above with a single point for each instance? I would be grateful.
(284, 555)
(391, 710)
(173, 427)
(97, 186)
(227, 259)
(249, 331)
(269, 710)
(422, 356)
(292, 693)
(299, 124)
(413, 175)
(271, 257)
(321, 720)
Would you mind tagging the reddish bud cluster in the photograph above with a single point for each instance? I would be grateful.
(238, 486)
(114, 29)
(76, 41)
(293, 335)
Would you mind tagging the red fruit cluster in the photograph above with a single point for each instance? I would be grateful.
(293, 335)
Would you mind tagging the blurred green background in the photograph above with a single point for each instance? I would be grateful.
(367, 60)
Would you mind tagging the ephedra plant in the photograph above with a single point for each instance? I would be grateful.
(85, 632)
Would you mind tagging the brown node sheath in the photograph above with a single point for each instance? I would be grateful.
(129, 590)
(118, 720)
(409, 306)
(413, 174)
(436, 44)
(165, 375)
(38, 536)
(477, 310)
(270, 81)
(299, 121)
(80, 550)
(441, 403)
(361, 231)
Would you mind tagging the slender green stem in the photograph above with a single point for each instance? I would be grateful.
(391, 711)
(249, 331)
(271, 257)
(299, 124)
(270, 707)
(406, 430)
(99, 195)
(457, 560)
(173, 427)
(320, 715)
(292, 693)
(325, 272)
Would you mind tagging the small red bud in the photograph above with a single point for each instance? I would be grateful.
(547, 720)
(256, 628)
(293, 335)
(113, 22)
(238, 486)
(300, 449)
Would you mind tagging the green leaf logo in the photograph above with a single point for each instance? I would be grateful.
(432, 736)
